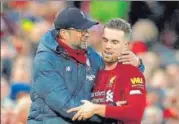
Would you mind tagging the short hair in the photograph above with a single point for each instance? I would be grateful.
(120, 24)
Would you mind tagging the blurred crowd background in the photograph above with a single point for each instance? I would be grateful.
(154, 38)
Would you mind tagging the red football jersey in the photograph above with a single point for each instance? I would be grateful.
(125, 82)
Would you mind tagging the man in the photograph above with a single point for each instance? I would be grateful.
(64, 69)
(95, 39)
(116, 82)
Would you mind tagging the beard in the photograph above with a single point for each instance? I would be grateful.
(83, 45)
(80, 45)
(83, 42)
(110, 59)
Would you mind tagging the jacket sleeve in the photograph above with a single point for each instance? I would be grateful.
(95, 118)
(135, 95)
(141, 66)
(51, 87)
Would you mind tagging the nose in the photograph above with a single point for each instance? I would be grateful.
(86, 34)
(108, 44)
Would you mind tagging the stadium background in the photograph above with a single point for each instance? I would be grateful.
(155, 39)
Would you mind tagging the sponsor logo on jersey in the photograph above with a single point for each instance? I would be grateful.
(136, 80)
(132, 92)
(109, 96)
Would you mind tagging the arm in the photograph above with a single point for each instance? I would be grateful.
(135, 91)
(135, 109)
(51, 87)
(135, 95)
(129, 57)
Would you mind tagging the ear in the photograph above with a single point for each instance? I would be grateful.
(62, 34)
(126, 45)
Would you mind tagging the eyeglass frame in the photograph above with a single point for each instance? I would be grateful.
(79, 30)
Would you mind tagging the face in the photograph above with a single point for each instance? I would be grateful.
(96, 33)
(77, 39)
(113, 43)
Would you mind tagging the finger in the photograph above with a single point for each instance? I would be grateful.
(126, 52)
(76, 115)
(84, 118)
(73, 109)
(123, 60)
(80, 117)
(124, 57)
(126, 62)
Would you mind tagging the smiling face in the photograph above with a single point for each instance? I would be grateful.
(115, 40)
(75, 38)
(113, 44)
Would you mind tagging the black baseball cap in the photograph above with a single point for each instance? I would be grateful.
(72, 17)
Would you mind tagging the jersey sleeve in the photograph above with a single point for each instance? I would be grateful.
(135, 95)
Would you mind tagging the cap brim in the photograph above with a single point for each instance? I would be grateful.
(88, 24)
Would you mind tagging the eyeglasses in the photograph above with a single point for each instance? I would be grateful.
(83, 32)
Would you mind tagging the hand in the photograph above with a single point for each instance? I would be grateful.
(129, 57)
(84, 111)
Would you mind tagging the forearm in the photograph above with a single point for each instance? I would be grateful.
(123, 112)
(135, 107)
(99, 109)
(115, 112)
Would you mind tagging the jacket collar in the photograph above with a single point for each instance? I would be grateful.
(50, 43)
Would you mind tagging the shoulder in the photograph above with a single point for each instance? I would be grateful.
(127, 67)
(133, 78)
(130, 71)
(45, 55)
(46, 61)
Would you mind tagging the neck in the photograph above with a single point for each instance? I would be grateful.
(110, 66)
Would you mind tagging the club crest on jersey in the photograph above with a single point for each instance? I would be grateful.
(112, 81)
